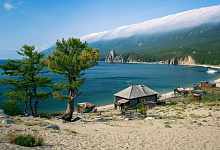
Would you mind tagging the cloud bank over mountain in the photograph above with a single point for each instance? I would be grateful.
(177, 21)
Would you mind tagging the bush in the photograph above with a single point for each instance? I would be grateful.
(142, 111)
(167, 126)
(24, 140)
(11, 107)
(44, 114)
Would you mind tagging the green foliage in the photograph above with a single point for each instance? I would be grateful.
(11, 107)
(27, 82)
(142, 111)
(166, 122)
(167, 126)
(44, 114)
(71, 131)
(70, 59)
(201, 42)
(24, 140)
(138, 106)
(172, 103)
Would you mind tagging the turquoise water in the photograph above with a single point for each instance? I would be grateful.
(104, 80)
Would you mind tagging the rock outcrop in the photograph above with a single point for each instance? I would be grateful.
(112, 58)
(181, 61)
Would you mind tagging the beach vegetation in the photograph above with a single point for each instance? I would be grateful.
(166, 122)
(70, 59)
(167, 126)
(70, 131)
(41, 124)
(142, 111)
(27, 84)
(17, 120)
(24, 140)
(199, 123)
(49, 115)
(204, 121)
(179, 117)
(194, 116)
(11, 107)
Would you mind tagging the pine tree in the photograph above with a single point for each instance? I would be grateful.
(70, 59)
(27, 83)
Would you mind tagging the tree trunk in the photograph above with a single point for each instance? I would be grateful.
(25, 108)
(67, 115)
(31, 108)
(35, 103)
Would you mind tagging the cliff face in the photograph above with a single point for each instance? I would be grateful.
(181, 61)
(112, 58)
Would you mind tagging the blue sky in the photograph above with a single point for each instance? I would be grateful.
(42, 22)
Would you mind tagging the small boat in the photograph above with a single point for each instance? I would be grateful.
(211, 71)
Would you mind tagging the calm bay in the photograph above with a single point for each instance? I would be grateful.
(106, 79)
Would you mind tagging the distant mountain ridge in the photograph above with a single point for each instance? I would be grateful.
(146, 43)
(183, 20)
(160, 38)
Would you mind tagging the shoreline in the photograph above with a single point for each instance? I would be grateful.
(164, 96)
(153, 63)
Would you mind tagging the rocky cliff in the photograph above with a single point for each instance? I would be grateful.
(181, 61)
(113, 58)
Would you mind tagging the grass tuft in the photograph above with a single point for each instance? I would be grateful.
(24, 140)
(70, 131)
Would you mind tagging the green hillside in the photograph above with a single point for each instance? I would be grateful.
(201, 42)
(207, 52)
(162, 41)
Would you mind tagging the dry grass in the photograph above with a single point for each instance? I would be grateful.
(41, 124)
(24, 140)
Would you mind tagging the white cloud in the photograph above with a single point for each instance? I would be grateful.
(8, 6)
(182, 20)
(13, 4)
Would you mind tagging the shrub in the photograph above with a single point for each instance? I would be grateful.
(167, 126)
(71, 131)
(24, 140)
(172, 103)
(41, 124)
(11, 107)
(44, 114)
(142, 111)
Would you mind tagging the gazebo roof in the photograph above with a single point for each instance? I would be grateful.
(135, 91)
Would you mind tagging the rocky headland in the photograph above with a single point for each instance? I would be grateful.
(114, 58)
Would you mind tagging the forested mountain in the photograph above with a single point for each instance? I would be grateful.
(195, 32)
(163, 41)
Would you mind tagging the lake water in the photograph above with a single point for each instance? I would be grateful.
(106, 79)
